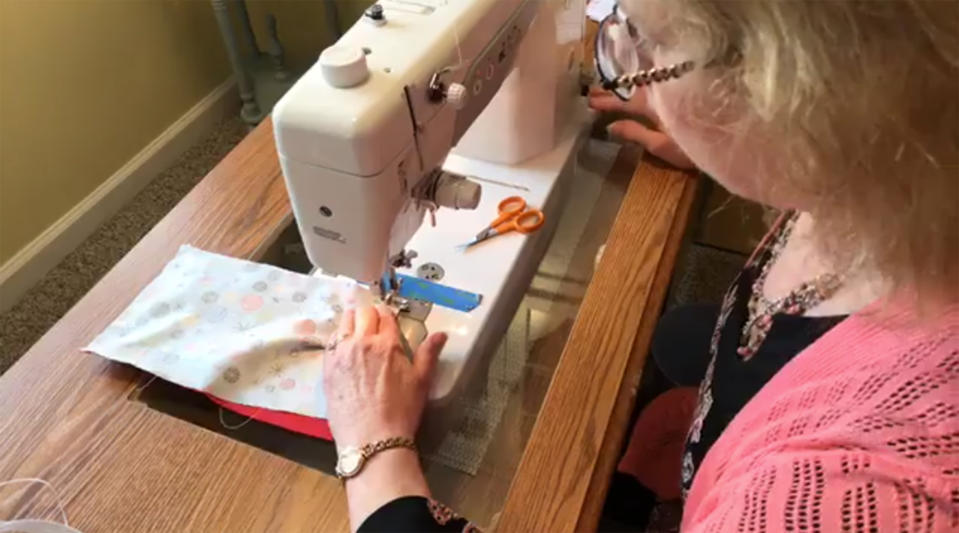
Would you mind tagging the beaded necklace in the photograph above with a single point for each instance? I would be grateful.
(761, 310)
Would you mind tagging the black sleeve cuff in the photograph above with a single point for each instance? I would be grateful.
(414, 514)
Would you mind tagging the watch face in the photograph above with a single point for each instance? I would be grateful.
(349, 461)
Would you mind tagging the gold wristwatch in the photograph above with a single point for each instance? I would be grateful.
(351, 459)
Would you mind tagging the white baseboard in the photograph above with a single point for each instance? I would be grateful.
(35, 259)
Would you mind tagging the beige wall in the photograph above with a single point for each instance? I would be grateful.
(86, 84)
(302, 24)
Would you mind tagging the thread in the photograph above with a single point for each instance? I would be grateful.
(327, 347)
(138, 390)
(47, 526)
(39, 525)
(459, 54)
(236, 426)
(43, 526)
(459, 49)
(36, 524)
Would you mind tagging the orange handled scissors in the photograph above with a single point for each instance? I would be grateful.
(513, 216)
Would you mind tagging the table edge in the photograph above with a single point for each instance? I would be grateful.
(544, 499)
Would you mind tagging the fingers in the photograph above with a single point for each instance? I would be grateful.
(424, 360)
(638, 104)
(367, 321)
(388, 325)
(631, 130)
(656, 142)
(606, 101)
(597, 91)
(347, 324)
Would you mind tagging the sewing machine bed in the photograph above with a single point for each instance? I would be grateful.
(499, 269)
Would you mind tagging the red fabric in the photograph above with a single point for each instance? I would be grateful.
(314, 427)
(659, 437)
(859, 432)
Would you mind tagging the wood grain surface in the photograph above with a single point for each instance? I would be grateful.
(618, 427)
(119, 465)
(585, 398)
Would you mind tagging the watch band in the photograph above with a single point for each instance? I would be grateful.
(367, 451)
(385, 444)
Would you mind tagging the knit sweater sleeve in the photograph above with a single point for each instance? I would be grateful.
(861, 434)
(840, 490)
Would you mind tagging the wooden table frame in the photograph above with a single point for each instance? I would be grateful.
(120, 466)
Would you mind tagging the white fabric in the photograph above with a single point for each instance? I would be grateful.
(599, 9)
(233, 328)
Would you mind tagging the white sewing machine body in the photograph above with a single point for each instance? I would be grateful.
(355, 157)
(500, 269)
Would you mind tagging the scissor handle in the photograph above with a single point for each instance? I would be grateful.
(512, 205)
(526, 222)
(529, 221)
(508, 208)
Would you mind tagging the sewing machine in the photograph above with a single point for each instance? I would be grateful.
(133, 453)
(430, 104)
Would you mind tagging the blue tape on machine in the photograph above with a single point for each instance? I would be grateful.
(420, 289)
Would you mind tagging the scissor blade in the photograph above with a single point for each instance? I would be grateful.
(477, 240)
(488, 234)
(470, 244)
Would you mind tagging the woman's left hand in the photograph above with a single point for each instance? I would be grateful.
(373, 391)
(654, 140)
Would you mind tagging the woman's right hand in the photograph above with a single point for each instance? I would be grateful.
(655, 141)
(373, 391)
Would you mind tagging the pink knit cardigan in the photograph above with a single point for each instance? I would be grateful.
(859, 432)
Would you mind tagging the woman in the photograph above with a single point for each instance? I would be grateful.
(830, 396)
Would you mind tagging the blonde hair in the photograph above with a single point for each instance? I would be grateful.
(862, 99)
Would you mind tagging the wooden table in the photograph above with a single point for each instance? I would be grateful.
(119, 465)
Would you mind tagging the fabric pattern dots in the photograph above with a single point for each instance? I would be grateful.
(245, 332)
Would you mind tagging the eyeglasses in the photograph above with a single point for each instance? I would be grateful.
(620, 66)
